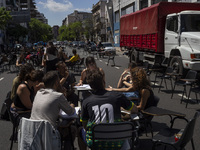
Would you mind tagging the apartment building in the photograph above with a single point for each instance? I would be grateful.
(99, 23)
(76, 16)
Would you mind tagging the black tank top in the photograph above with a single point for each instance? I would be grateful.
(150, 101)
(17, 100)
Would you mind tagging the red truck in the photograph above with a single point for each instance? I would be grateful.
(166, 33)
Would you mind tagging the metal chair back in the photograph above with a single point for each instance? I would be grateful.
(187, 133)
(191, 74)
(112, 132)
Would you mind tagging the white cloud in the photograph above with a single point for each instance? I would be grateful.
(56, 6)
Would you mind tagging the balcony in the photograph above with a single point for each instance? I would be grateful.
(103, 31)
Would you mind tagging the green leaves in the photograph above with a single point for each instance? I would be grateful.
(17, 31)
(40, 31)
(76, 30)
(4, 17)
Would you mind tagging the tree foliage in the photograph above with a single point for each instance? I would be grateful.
(76, 31)
(4, 17)
(17, 31)
(40, 31)
(71, 32)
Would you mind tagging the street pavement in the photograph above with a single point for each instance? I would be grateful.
(112, 74)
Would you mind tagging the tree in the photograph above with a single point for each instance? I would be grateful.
(76, 30)
(63, 33)
(4, 17)
(17, 31)
(40, 31)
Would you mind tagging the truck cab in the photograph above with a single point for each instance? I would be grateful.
(182, 40)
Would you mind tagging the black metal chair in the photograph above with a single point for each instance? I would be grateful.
(189, 80)
(111, 57)
(79, 65)
(145, 119)
(196, 90)
(15, 119)
(167, 137)
(159, 71)
(108, 132)
(166, 76)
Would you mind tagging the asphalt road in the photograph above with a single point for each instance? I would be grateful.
(112, 74)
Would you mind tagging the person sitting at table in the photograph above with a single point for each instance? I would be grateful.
(50, 100)
(25, 69)
(90, 66)
(67, 80)
(73, 59)
(61, 55)
(141, 84)
(21, 60)
(125, 78)
(94, 106)
(25, 92)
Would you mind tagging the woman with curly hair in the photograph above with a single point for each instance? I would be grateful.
(141, 84)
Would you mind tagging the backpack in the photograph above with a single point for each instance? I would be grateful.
(4, 112)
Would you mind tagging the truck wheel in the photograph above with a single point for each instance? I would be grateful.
(176, 64)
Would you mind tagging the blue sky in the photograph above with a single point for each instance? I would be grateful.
(56, 10)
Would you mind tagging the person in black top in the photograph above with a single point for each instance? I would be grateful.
(102, 106)
(25, 91)
(51, 57)
(141, 84)
(67, 80)
(90, 66)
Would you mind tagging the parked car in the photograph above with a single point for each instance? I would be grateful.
(81, 44)
(29, 45)
(91, 47)
(70, 44)
(75, 43)
(108, 47)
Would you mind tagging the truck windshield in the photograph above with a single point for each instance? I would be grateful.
(190, 23)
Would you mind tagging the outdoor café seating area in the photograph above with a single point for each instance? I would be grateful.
(134, 128)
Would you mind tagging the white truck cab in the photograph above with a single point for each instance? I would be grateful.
(182, 40)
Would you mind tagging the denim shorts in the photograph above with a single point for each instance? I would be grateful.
(134, 94)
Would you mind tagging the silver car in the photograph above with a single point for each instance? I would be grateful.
(108, 47)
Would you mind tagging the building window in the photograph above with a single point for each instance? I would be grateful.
(123, 11)
(157, 1)
(117, 16)
(143, 4)
(182, 1)
(129, 9)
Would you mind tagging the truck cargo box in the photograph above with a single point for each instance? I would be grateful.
(145, 29)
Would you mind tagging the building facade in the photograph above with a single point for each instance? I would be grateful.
(99, 23)
(109, 21)
(55, 30)
(76, 16)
